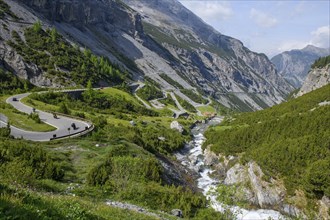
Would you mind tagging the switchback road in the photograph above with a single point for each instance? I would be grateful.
(62, 124)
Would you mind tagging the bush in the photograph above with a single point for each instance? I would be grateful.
(125, 164)
(321, 62)
(27, 162)
(158, 197)
(35, 117)
(318, 178)
(149, 92)
(186, 105)
(5, 131)
(63, 108)
(193, 96)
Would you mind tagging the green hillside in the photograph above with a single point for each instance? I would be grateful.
(62, 61)
(290, 140)
(72, 179)
(120, 160)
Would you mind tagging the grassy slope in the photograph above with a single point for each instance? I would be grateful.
(290, 140)
(27, 204)
(113, 92)
(79, 155)
(28, 193)
(206, 109)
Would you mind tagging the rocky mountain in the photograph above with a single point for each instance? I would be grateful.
(317, 77)
(153, 38)
(294, 65)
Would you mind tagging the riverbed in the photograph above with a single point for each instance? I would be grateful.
(192, 157)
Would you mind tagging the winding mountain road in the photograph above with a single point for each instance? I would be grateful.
(62, 123)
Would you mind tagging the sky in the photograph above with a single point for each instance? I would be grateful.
(269, 27)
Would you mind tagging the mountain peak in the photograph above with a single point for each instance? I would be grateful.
(295, 64)
(312, 48)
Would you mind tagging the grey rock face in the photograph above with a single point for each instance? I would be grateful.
(294, 65)
(267, 193)
(325, 207)
(14, 63)
(236, 174)
(316, 78)
(164, 37)
(254, 187)
(217, 64)
(107, 14)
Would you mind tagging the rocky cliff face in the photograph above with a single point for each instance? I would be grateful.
(316, 78)
(110, 15)
(252, 186)
(10, 60)
(204, 58)
(154, 37)
(294, 65)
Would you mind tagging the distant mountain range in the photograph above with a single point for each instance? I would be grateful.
(294, 65)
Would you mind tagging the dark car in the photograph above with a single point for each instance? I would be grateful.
(15, 99)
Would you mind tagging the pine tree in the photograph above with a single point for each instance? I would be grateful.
(37, 27)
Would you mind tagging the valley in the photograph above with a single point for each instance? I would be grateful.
(141, 110)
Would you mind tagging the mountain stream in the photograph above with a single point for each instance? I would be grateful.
(191, 156)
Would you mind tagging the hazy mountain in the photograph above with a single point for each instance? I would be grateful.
(294, 65)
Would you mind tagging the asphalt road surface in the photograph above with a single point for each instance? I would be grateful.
(63, 124)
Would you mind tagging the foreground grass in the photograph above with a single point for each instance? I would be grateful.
(27, 204)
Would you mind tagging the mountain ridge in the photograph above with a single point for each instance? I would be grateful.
(205, 62)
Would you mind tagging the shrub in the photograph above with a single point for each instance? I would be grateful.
(35, 117)
(63, 108)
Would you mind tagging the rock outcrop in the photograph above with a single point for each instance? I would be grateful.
(294, 65)
(176, 126)
(252, 186)
(260, 192)
(13, 62)
(316, 78)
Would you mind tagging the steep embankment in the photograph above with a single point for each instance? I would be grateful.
(294, 65)
(317, 77)
(290, 143)
(157, 37)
